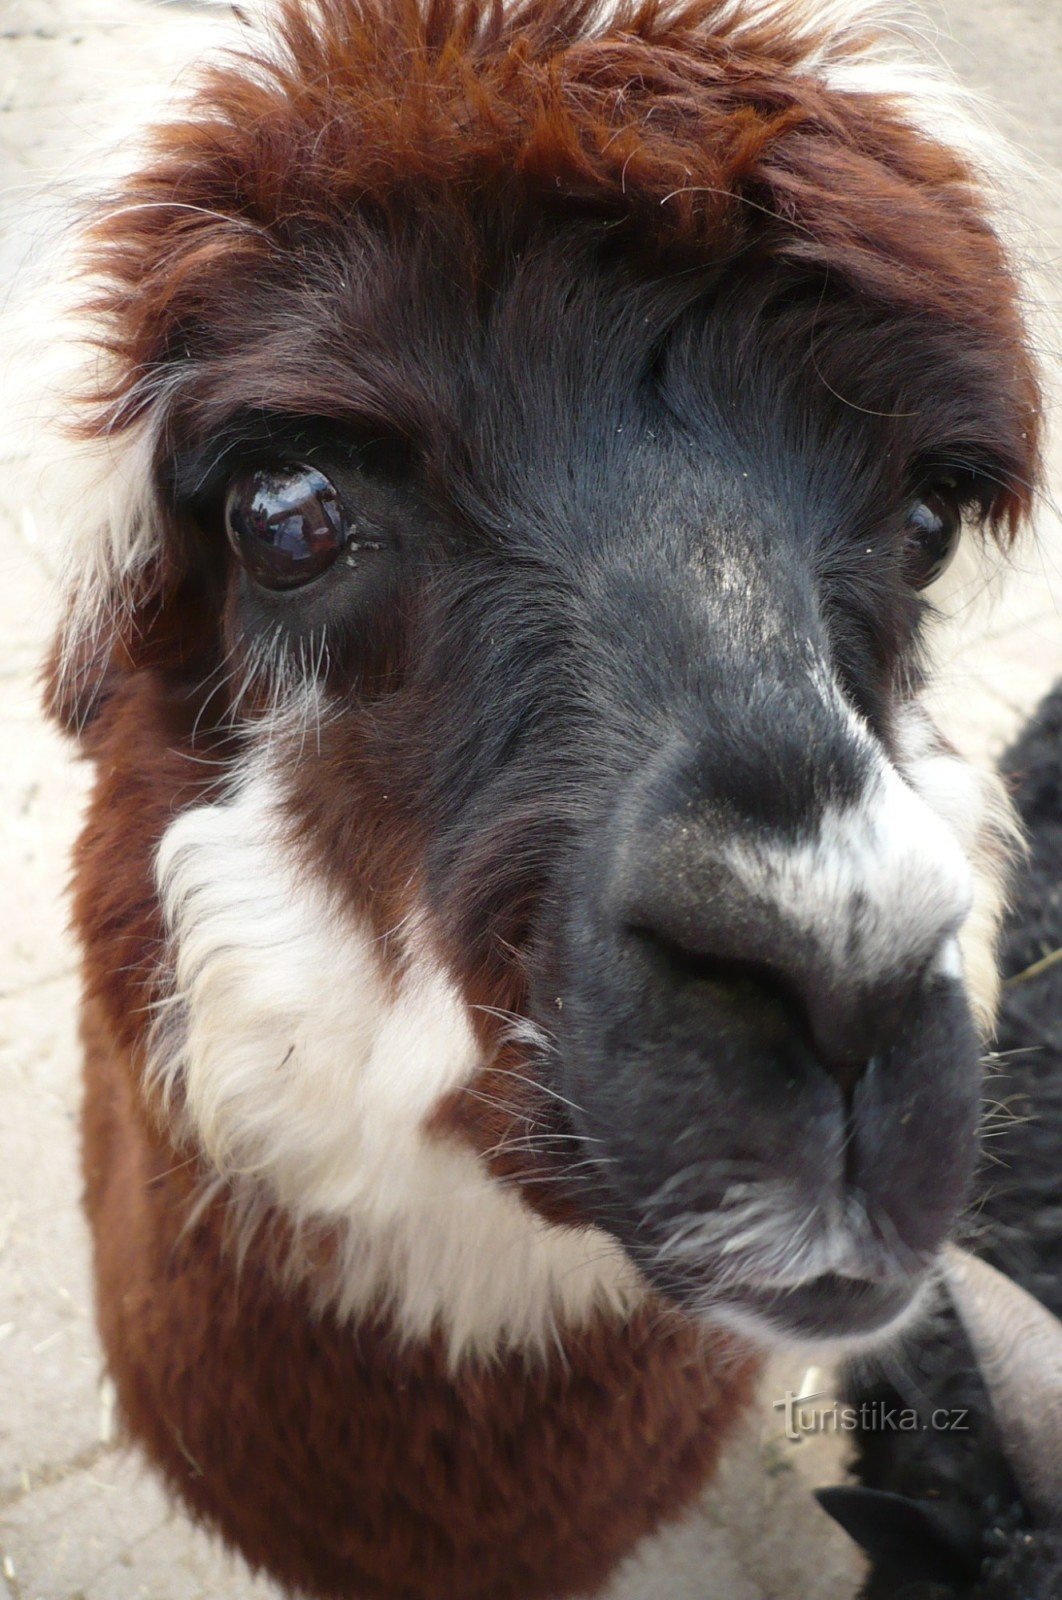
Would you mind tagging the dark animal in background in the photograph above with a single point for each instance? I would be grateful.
(976, 1514)
(534, 934)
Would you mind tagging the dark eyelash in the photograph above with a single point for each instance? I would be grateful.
(974, 486)
(194, 476)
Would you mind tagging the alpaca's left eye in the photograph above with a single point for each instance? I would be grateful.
(286, 525)
(934, 525)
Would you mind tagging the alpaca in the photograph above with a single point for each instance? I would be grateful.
(976, 1514)
(534, 937)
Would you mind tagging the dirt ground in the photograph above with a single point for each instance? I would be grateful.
(79, 1518)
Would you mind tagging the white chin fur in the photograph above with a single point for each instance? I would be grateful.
(307, 1075)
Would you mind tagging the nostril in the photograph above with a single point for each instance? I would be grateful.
(749, 987)
(762, 996)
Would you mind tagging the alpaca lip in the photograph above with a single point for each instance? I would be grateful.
(856, 1289)
(830, 1306)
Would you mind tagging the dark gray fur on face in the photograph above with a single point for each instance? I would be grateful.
(942, 1513)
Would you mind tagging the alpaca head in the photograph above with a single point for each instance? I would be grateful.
(530, 442)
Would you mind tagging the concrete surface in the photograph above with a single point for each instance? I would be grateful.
(79, 1518)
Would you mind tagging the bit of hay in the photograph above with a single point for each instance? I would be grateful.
(1045, 963)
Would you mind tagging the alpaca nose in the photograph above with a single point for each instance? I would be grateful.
(828, 935)
(784, 991)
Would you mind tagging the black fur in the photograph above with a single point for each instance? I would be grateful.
(999, 1552)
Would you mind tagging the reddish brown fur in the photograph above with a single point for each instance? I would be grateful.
(327, 1455)
(701, 141)
(331, 1455)
(347, 1464)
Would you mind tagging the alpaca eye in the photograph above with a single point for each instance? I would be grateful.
(934, 525)
(285, 525)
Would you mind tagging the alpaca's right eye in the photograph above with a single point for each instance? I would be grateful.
(285, 524)
(934, 527)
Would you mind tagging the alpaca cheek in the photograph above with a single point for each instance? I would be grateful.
(309, 1064)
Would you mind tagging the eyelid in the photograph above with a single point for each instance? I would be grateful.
(975, 481)
(196, 471)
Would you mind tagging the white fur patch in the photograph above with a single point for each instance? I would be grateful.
(110, 547)
(307, 1071)
(881, 880)
(884, 880)
(974, 805)
(920, 862)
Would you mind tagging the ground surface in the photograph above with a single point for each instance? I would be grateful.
(79, 1519)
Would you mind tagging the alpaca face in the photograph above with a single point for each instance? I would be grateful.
(579, 902)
